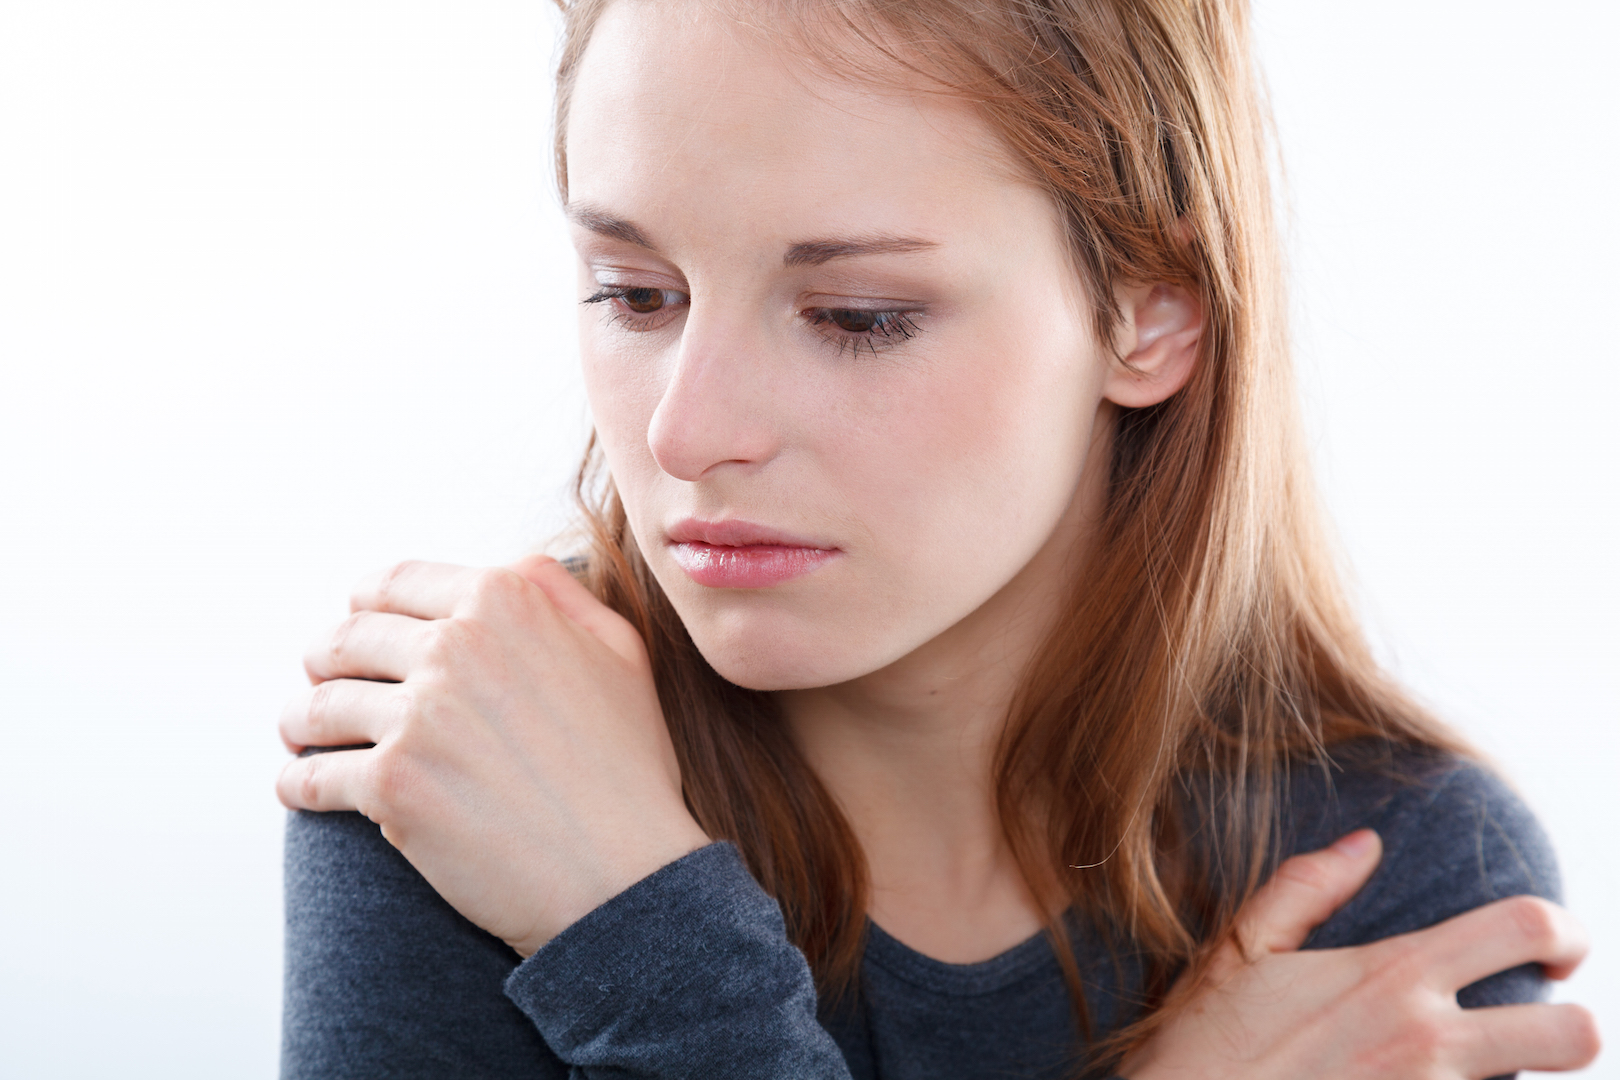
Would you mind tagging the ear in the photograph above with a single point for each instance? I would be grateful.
(1160, 328)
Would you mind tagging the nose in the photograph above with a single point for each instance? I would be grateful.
(717, 407)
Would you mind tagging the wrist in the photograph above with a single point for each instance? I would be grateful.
(632, 862)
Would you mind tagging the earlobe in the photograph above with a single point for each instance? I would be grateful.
(1158, 344)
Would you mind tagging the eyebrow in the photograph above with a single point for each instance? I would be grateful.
(804, 253)
(817, 252)
(605, 224)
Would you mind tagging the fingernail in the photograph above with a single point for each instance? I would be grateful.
(1357, 843)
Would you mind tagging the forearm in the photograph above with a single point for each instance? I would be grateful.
(382, 976)
(687, 973)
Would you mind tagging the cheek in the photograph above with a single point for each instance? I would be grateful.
(957, 475)
(973, 463)
(623, 384)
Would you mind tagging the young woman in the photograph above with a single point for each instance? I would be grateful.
(953, 683)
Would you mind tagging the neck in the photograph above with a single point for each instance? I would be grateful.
(908, 752)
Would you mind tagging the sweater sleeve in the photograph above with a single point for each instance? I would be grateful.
(688, 973)
(385, 979)
(1456, 837)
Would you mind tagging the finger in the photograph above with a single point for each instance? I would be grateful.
(322, 781)
(1304, 891)
(422, 590)
(1549, 1038)
(581, 605)
(340, 712)
(1481, 942)
(367, 645)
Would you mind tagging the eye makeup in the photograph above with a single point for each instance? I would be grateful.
(861, 328)
(639, 308)
(644, 308)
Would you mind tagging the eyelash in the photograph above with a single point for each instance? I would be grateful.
(888, 328)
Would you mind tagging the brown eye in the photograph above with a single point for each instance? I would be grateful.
(643, 301)
(865, 328)
(854, 322)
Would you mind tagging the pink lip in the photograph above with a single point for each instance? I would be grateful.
(742, 555)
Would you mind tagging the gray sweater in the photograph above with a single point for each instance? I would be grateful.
(689, 972)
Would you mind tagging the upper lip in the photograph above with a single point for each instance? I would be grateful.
(734, 533)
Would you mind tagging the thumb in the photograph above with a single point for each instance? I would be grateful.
(581, 606)
(1304, 891)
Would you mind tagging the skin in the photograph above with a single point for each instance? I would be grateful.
(522, 763)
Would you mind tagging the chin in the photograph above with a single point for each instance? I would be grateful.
(760, 659)
(769, 674)
(779, 651)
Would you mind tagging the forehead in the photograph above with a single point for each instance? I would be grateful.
(676, 98)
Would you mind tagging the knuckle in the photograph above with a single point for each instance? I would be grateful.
(1534, 919)
(407, 705)
(317, 716)
(1306, 871)
(417, 706)
(497, 587)
(388, 584)
(388, 779)
(1427, 1041)
(309, 781)
(452, 642)
(338, 648)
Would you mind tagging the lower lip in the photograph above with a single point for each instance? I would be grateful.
(757, 566)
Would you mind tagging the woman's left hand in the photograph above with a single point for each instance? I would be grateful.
(521, 761)
(1269, 1010)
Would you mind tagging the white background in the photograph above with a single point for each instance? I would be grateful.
(284, 297)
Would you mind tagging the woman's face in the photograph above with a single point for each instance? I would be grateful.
(839, 363)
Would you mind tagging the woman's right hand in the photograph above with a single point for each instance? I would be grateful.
(1267, 1009)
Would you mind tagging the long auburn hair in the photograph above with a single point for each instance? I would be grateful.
(1207, 645)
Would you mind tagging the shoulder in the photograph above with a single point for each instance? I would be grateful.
(382, 976)
(1445, 820)
(1456, 836)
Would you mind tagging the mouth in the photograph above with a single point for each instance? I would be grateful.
(735, 554)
